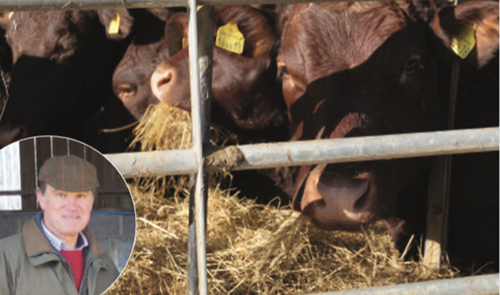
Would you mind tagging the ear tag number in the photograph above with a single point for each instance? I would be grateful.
(114, 25)
(11, 14)
(463, 44)
(230, 38)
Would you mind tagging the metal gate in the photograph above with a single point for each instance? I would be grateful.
(268, 155)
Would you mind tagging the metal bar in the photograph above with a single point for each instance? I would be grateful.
(17, 192)
(455, 75)
(197, 148)
(27, 5)
(436, 191)
(439, 192)
(436, 235)
(477, 285)
(92, 212)
(33, 193)
(192, 264)
(258, 156)
(205, 46)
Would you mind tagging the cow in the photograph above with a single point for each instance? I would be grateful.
(375, 68)
(5, 69)
(63, 62)
(246, 97)
(131, 79)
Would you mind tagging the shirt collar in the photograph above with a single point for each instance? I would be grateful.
(58, 244)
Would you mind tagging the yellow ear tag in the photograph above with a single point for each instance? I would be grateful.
(230, 38)
(183, 42)
(463, 44)
(11, 14)
(114, 25)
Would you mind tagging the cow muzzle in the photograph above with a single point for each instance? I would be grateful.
(337, 202)
(161, 81)
(170, 82)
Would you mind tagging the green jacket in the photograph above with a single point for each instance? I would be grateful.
(30, 265)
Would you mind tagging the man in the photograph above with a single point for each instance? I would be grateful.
(56, 253)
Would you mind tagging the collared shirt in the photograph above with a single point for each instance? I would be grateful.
(58, 244)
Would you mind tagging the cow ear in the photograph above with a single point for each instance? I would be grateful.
(118, 22)
(479, 20)
(176, 32)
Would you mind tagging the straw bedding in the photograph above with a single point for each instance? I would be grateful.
(251, 248)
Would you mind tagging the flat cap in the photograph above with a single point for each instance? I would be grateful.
(69, 173)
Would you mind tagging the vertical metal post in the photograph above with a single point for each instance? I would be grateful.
(439, 186)
(200, 112)
(192, 262)
(51, 146)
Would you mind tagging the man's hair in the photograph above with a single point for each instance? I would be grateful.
(43, 187)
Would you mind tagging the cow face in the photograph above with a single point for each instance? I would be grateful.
(246, 95)
(359, 69)
(63, 61)
(147, 50)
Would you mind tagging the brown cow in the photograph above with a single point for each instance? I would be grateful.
(5, 69)
(247, 98)
(61, 77)
(131, 79)
(373, 68)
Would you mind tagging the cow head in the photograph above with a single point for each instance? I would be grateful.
(131, 79)
(370, 68)
(63, 62)
(246, 96)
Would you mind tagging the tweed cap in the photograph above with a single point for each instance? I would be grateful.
(69, 173)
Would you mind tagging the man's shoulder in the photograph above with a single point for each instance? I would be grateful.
(10, 240)
(12, 243)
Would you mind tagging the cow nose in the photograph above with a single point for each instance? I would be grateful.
(335, 198)
(9, 135)
(161, 82)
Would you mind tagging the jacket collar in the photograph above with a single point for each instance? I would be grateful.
(36, 242)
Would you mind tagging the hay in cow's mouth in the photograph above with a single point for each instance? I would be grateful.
(251, 248)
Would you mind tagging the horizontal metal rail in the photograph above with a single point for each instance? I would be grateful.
(27, 5)
(478, 285)
(259, 156)
(92, 212)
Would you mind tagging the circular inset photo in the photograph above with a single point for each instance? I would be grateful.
(67, 218)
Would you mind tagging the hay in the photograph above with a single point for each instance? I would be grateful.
(251, 248)
(168, 128)
(256, 249)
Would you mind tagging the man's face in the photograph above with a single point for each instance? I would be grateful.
(65, 213)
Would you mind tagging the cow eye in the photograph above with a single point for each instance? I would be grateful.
(412, 65)
(283, 72)
(126, 91)
(127, 88)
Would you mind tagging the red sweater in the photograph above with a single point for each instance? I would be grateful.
(75, 259)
